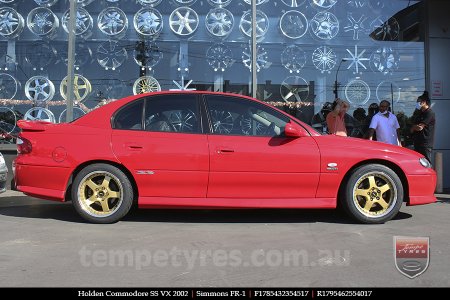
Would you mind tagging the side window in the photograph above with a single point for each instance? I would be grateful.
(172, 113)
(236, 116)
(130, 116)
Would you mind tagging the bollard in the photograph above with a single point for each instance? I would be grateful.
(438, 169)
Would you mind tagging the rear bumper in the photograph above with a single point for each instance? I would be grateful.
(421, 188)
(42, 181)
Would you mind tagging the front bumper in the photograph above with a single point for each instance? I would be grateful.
(422, 188)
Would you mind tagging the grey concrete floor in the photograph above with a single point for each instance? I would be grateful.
(46, 244)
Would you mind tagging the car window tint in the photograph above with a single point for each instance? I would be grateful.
(172, 113)
(130, 116)
(236, 116)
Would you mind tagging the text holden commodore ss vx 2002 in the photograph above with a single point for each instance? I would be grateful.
(212, 150)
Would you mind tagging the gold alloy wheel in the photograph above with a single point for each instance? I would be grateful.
(100, 194)
(375, 194)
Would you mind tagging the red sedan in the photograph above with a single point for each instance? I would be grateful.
(212, 150)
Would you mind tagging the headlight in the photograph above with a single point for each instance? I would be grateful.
(424, 162)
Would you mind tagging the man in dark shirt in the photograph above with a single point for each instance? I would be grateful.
(423, 127)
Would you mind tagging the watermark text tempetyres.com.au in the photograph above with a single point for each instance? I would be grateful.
(189, 259)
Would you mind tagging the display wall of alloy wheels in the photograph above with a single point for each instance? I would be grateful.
(219, 22)
(148, 22)
(39, 113)
(146, 84)
(81, 88)
(39, 89)
(262, 23)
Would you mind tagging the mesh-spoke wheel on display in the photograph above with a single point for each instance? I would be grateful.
(372, 194)
(39, 89)
(324, 3)
(324, 59)
(293, 24)
(183, 120)
(293, 58)
(77, 113)
(324, 25)
(112, 21)
(219, 57)
(385, 60)
(8, 120)
(148, 22)
(11, 23)
(40, 55)
(39, 113)
(357, 92)
(42, 22)
(102, 193)
(294, 89)
(385, 30)
(110, 55)
(150, 57)
(262, 61)
(219, 22)
(183, 21)
(83, 23)
(219, 3)
(146, 84)
(8, 86)
(262, 23)
(81, 87)
(222, 121)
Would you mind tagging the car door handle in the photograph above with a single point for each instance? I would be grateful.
(134, 147)
(219, 151)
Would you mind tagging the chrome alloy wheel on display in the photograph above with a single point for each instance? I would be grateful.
(110, 55)
(262, 23)
(258, 2)
(219, 57)
(43, 22)
(185, 2)
(183, 21)
(8, 121)
(262, 60)
(40, 54)
(326, 4)
(293, 3)
(219, 22)
(83, 23)
(11, 23)
(148, 22)
(219, 3)
(84, 2)
(357, 92)
(151, 3)
(39, 89)
(81, 88)
(46, 3)
(385, 60)
(183, 120)
(222, 121)
(113, 22)
(324, 25)
(324, 59)
(293, 58)
(149, 57)
(146, 84)
(293, 24)
(39, 113)
(294, 89)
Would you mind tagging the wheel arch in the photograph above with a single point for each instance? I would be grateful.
(108, 162)
(396, 168)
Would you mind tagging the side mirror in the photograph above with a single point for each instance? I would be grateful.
(293, 130)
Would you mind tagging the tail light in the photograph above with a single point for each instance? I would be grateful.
(23, 145)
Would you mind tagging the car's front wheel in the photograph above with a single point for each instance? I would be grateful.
(102, 193)
(373, 194)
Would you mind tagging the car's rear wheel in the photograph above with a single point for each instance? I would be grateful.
(102, 193)
(373, 194)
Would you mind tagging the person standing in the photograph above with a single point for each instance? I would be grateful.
(335, 119)
(423, 126)
(385, 124)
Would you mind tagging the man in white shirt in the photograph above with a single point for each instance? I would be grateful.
(385, 124)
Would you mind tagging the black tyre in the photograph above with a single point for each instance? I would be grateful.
(102, 193)
(373, 194)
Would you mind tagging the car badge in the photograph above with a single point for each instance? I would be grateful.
(412, 255)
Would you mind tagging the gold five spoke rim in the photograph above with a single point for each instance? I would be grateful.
(100, 194)
(375, 194)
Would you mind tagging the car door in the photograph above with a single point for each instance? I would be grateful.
(160, 140)
(250, 156)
